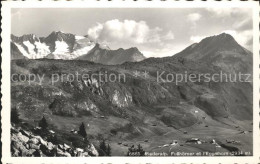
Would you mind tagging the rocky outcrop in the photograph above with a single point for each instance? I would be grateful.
(120, 99)
(26, 144)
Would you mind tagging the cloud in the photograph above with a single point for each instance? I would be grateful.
(220, 11)
(168, 50)
(168, 36)
(223, 12)
(159, 53)
(94, 32)
(127, 31)
(194, 17)
(250, 42)
(244, 24)
(16, 14)
(196, 39)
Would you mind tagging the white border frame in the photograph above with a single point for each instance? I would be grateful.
(5, 113)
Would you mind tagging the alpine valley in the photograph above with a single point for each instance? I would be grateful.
(161, 117)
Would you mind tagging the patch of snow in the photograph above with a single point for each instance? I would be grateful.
(104, 46)
(31, 48)
(79, 37)
(22, 50)
(43, 49)
(83, 50)
(61, 48)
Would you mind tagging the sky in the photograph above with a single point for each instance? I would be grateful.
(156, 32)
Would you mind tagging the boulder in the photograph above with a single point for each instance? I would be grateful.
(27, 145)
(37, 137)
(73, 152)
(14, 130)
(45, 150)
(23, 151)
(33, 141)
(79, 150)
(20, 147)
(66, 154)
(37, 153)
(22, 137)
(26, 133)
(33, 136)
(31, 152)
(14, 138)
(50, 146)
(91, 150)
(66, 147)
(61, 147)
(79, 154)
(34, 146)
(43, 142)
(53, 151)
(14, 151)
(60, 153)
(85, 154)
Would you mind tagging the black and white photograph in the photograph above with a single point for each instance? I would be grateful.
(132, 82)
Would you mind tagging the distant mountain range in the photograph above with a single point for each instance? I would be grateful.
(60, 45)
(220, 50)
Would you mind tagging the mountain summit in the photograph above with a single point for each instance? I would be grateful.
(102, 54)
(219, 50)
(212, 45)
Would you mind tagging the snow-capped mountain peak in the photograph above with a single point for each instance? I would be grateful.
(57, 45)
(67, 46)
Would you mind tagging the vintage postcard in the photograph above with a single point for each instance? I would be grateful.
(130, 82)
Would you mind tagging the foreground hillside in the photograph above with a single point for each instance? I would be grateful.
(160, 116)
(25, 143)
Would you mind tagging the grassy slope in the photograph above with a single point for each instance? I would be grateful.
(158, 112)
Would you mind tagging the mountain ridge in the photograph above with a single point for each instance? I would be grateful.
(220, 50)
(67, 46)
(111, 57)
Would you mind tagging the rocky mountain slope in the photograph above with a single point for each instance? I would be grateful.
(60, 45)
(222, 51)
(112, 57)
(140, 109)
(26, 144)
